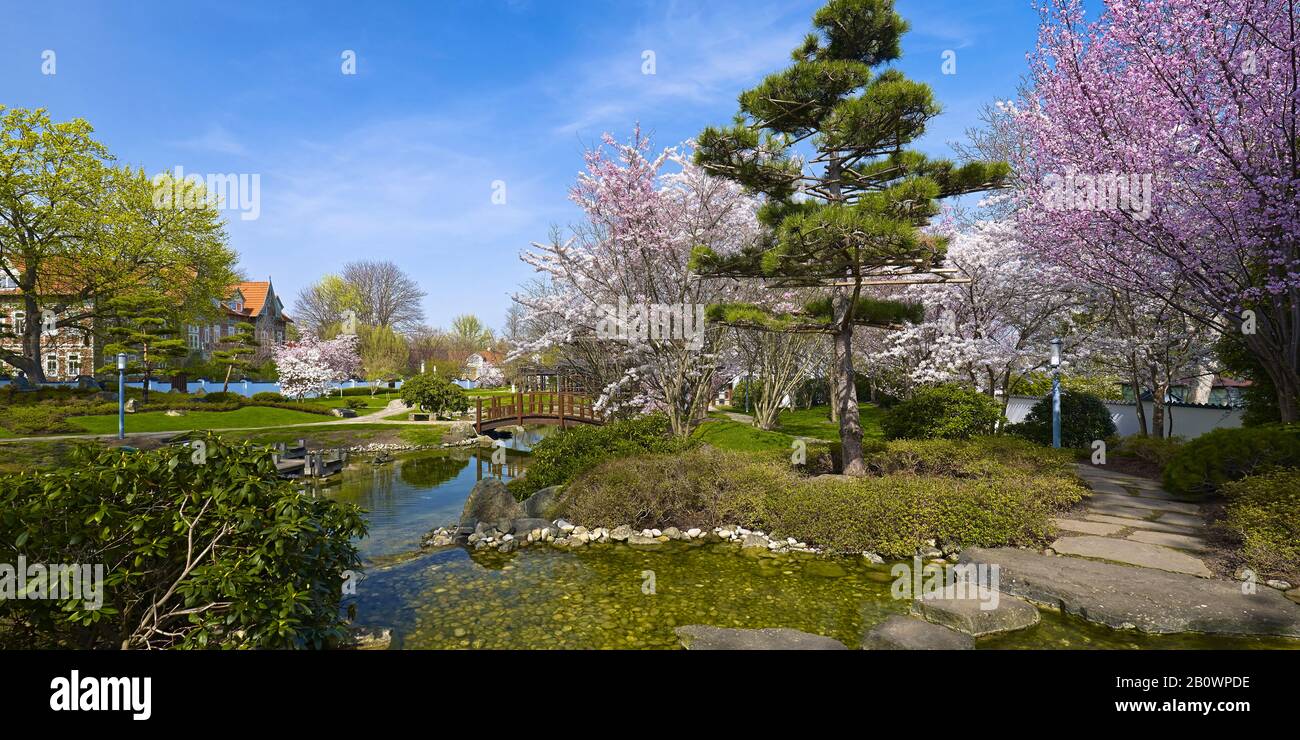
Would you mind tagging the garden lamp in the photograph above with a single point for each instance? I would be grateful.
(1056, 392)
(121, 395)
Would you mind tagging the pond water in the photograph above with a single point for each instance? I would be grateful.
(601, 596)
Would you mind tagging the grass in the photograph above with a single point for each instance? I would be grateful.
(157, 421)
(375, 402)
(813, 422)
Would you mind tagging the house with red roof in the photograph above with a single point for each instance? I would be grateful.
(253, 302)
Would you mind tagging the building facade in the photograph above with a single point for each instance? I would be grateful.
(251, 302)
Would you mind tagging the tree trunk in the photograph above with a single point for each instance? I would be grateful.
(1137, 398)
(846, 393)
(225, 386)
(32, 339)
(832, 390)
(1158, 391)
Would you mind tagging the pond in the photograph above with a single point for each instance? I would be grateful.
(615, 596)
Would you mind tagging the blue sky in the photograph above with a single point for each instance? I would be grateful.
(398, 161)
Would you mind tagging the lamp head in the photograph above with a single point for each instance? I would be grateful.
(1056, 352)
(121, 361)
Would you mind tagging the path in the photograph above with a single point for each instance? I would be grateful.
(1131, 558)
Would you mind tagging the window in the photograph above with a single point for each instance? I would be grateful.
(20, 322)
(51, 365)
(194, 337)
(74, 364)
(6, 282)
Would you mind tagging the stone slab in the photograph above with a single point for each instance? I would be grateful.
(1147, 524)
(1114, 509)
(1166, 539)
(1139, 502)
(910, 633)
(1153, 601)
(704, 637)
(1132, 553)
(1181, 520)
(976, 610)
(1086, 527)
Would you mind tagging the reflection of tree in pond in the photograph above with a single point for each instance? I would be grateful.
(430, 471)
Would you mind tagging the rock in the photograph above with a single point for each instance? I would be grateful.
(639, 539)
(929, 552)
(754, 540)
(440, 540)
(693, 533)
(529, 524)
(1149, 600)
(1132, 553)
(873, 558)
(673, 533)
(910, 633)
(130, 406)
(543, 504)
(564, 526)
(508, 546)
(976, 610)
(377, 640)
(489, 501)
(1166, 539)
(620, 533)
(458, 432)
(1278, 584)
(1243, 573)
(174, 412)
(704, 637)
(506, 526)
(1086, 527)
(1294, 595)
(344, 413)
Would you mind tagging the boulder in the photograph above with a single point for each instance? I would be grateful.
(174, 412)
(130, 406)
(489, 501)
(527, 524)
(704, 637)
(910, 633)
(458, 432)
(542, 504)
(620, 533)
(640, 539)
(343, 413)
(976, 610)
(754, 540)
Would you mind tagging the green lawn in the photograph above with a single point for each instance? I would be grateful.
(733, 435)
(375, 402)
(814, 422)
(157, 421)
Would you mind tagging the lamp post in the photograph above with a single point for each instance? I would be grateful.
(121, 395)
(1056, 392)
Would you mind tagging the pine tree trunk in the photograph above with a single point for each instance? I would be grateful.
(225, 387)
(845, 390)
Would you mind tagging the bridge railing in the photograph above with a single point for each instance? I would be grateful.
(562, 407)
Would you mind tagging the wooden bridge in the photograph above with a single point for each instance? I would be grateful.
(534, 408)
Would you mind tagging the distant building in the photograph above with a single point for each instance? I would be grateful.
(66, 352)
(477, 361)
(252, 302)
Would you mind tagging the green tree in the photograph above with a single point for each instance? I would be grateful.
(76, 232)
(469, 333)
(434, 395)
(236, 351)
(383, 353)
(851, 215)
(323, 308)
(144, 328)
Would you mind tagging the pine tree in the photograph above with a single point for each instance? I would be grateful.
(824, 140)
(144, 328)
(236, 350)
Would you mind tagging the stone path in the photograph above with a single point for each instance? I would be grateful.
(1131, 520)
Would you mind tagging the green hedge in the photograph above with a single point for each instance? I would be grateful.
(892, 514)
(942, 412)
(1264, 512)
(271, 580)
(1204, 464)
(559, 458)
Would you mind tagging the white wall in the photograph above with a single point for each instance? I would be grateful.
(1181, 420)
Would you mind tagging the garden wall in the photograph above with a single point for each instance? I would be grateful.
(1184, 420)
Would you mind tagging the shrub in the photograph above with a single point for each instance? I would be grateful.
(223, 397)
(892, 515)
(434, 394)
(559, 458)
(36, 418)
(269, 396)
(1158, 451)
(267, 561)
(1084, 418)
(1201, 466)
(979, 457)
(1264, 511)
(943, 412)
(354, 403)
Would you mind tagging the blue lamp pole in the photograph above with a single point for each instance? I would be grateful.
(1056, 392)
(121, 396)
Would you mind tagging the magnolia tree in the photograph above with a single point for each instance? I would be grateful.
(997, 327)
(308, 367)
(490, 376)
(1161, 157)
(619, 297)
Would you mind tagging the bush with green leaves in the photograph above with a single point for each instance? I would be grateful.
(560, 457)
(1204, 464)
(223, 397)
(197, 552)
(1084, 418)
(1157, 451)
(891, 514)
(1264, 512)
(942, 412)
(269, 397)
(434, 394)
